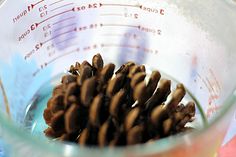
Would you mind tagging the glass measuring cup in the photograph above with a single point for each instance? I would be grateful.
(189, 41)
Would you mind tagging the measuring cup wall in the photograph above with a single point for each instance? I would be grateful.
(192, 43)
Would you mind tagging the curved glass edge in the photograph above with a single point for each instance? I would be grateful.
(5, 100)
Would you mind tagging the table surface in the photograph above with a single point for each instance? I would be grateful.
(228, 150)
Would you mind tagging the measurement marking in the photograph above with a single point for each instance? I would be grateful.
(65, 54)
(62, 6)
(6, 103)
(72, 17)
(211, 86)
(55, 2)
(121, 5)
(217, 82)
(65, 27)
(33, 5)
(73, 30)
(53, 17)
(111, 14)
(66, 40)
(120, 25)
(204, 82)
